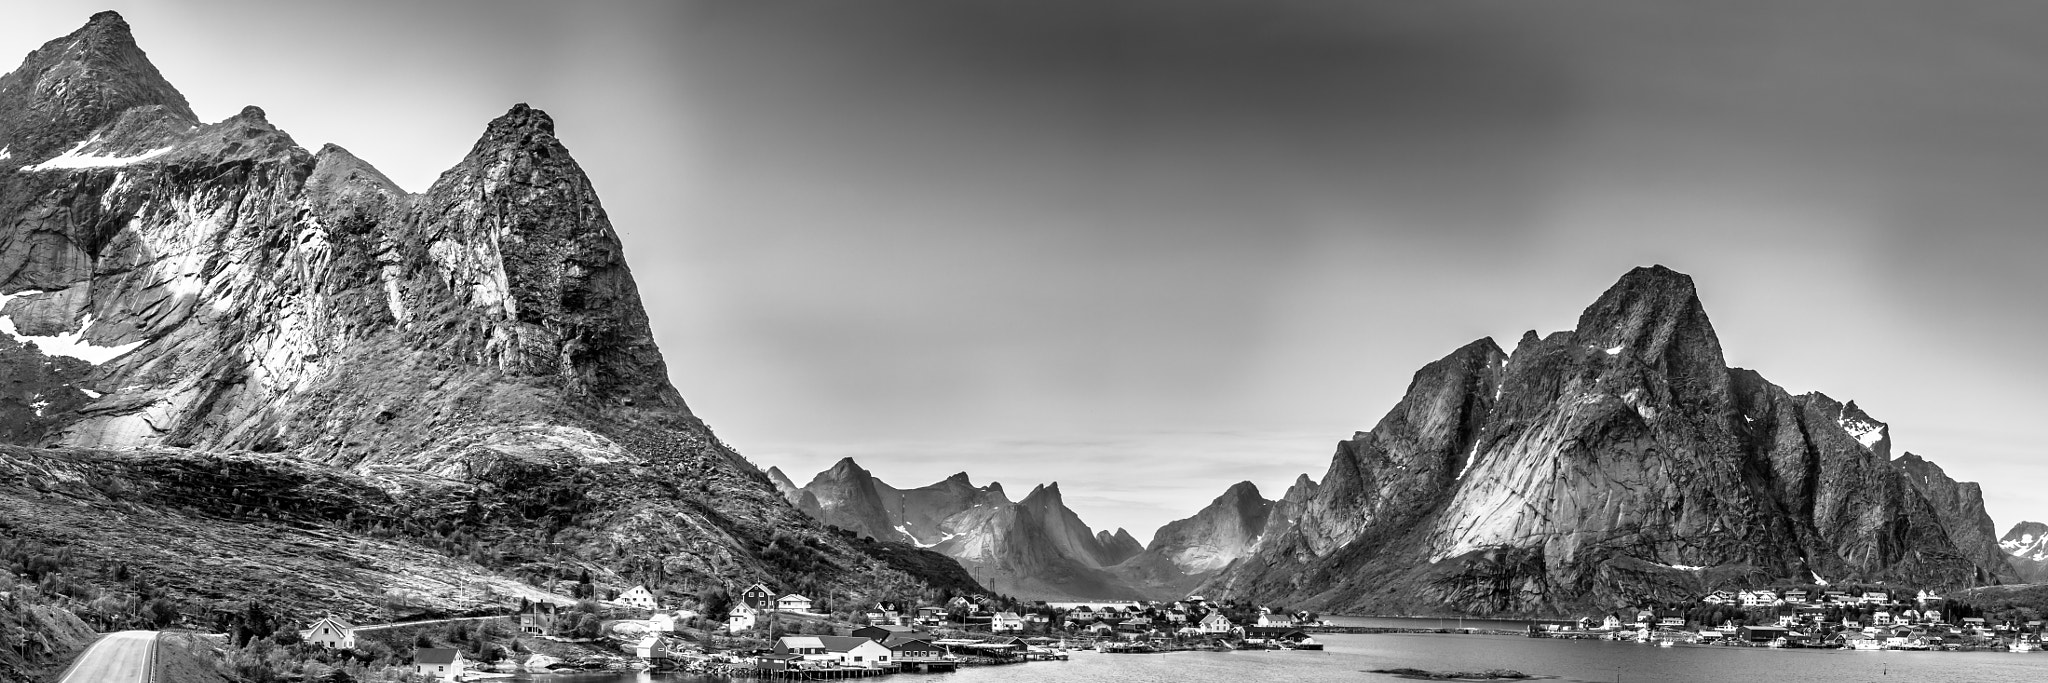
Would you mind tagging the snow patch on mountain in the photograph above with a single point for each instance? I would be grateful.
(74, 158)
(68, 344)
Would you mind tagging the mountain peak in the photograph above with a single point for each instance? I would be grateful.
(1243, 489)
(75, 84)
(847, 466)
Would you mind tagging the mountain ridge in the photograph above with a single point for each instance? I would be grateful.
(1584, 468)
(475, 356)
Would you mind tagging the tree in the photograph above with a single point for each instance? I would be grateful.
(715, 601)
(160, 613)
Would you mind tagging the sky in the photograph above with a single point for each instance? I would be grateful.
(1149, 249)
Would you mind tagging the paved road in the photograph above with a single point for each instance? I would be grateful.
(375, 627)
(124, 657)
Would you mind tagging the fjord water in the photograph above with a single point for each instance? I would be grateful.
(1587, 661)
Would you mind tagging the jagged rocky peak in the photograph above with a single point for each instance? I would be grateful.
(1598, 465)
(1874, 435)
(340, 178)
(515, 233)
(76, 84)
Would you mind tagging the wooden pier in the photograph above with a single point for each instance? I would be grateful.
(827, 673)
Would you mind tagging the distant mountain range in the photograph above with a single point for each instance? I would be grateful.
(1619, 462)
(1035, 547)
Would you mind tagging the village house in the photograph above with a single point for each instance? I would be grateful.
(1645, 617)
(1758, 598)
(668, 621)
(438, 663)
(904, 647)
(330, 632)
(809, 648)
(1795, 596)
(1006, 622)
(1269, 620)
(1718, 598)
(930, 616)
(793, 603)
(651, 648)
(1835, 597)
(740, 618)
(1925, 598)
(884, 631)
(1217, 623)
(856, 651)
(1611, 623)
(538, 619)
(758, 596)
(1875, 598)
(638, 597)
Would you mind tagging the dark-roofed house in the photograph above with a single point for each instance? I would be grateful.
(1273, 634)
(438, 663)
(857, 651)
(906, 647)
(758, 596)
(884, 631)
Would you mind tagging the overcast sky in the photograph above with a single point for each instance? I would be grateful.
(1148, 249)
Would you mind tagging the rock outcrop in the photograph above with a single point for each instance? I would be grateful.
(167, 283)
(1618, 462)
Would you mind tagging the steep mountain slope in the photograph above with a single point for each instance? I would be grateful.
(2026, 549)
(1033, 548)
(1617, 462)
(1183, 553)
(478, 351)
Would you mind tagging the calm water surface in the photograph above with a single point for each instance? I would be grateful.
(1585, 661)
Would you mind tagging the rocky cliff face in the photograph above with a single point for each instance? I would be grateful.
(2026, 546)
(1618, 462)
(1034, 548)
(1186, 552)
(171, 283)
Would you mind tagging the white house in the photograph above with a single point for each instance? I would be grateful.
(1758, 598)
(666, 621)
(1217, 623)
(1718, 598)
(810, 648)
(1005, 622)
(740, 618)
(1875, 598)
(638, 597)
(330, 632)
(1268, 619)
(442, 663)
(793, 603)
(855, 651)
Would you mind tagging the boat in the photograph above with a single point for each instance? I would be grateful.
(1308, 644)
